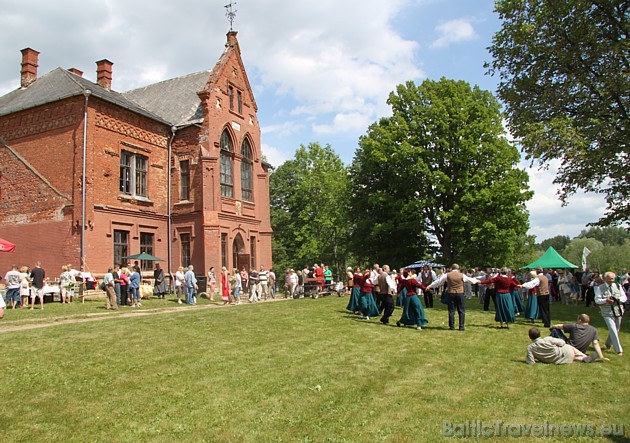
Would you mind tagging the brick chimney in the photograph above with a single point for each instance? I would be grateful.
(104, 73)
(28, 74)
(76, 71)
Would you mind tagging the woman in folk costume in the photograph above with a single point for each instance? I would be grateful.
(401, 291)
(531, 307)
(517, 300)
(357, 279)
(367, 305)
(413, 312)
(503, 285)
(349, 280)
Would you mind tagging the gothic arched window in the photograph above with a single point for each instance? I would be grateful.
(246, 171)
(227, 181)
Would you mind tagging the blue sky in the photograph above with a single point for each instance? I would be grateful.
(321, 70)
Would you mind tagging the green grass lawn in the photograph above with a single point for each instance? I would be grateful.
(292, 371)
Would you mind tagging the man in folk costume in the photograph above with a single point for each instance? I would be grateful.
(386, 287)
(490, 291)
(427, 276)
(455, 289)
(374, 273)
(541, 283)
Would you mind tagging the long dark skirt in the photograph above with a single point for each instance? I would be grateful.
(517, 301)
(353, 303)
(531, 308)
(367, 305)
(400, 297)
(504, 308)
(413, 312)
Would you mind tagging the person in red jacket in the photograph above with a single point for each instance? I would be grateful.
(503, 285)
(413, 311)
(367, 305)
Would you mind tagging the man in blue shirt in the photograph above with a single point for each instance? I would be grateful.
(190, 281)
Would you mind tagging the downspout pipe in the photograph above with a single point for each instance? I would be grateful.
(168, 200)
(86, 94)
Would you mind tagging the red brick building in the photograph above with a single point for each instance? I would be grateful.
(173, 169)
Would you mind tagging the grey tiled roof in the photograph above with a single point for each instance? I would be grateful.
(60, 84)
(175, 100)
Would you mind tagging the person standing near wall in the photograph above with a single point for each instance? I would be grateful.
(108, 281)
(38, 277)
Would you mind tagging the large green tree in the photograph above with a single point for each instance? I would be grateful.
(603, 257)
(308, 209)
(440, 165)
(558, 242)
(612, 235)
(564, 70)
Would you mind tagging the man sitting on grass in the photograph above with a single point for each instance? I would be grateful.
(581, 335)
(551, 350)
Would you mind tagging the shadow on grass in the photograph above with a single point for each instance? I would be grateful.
(619, 438)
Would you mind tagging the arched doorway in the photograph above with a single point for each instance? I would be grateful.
(240, 257)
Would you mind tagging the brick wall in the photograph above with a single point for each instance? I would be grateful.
(50, 138)
(53, 243)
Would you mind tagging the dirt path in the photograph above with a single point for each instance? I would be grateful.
(112, 315)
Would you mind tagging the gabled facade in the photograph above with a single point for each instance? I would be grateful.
(174, 169)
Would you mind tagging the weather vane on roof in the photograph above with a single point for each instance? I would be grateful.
(230, 13)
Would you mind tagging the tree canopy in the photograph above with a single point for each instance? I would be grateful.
(564, 79)
(610, 236)
(308, 209)
(558, 242)
(441, 165)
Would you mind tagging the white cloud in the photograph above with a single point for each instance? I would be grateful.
(283, 129)
(453, 31)
(348, 122)
(327, 57)
(154, 73)
(331, 57)
(548, 217)
(274, 155)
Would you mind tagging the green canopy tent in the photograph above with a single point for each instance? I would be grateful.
(551, 260)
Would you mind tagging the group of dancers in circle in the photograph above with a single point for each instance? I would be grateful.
(381, 282)
(372, 295)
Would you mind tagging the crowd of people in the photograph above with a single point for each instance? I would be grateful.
(310, 281)
(373, 292)
(24, 286)
(528, 294)
(231, 286)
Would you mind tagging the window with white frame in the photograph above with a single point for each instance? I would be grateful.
(133, 174)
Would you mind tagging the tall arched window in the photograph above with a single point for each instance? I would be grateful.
(227, 182)
(246, 171)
